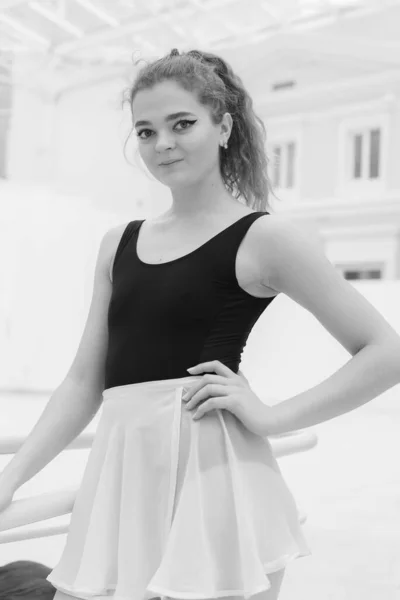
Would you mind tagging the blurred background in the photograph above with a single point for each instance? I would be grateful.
(325, 78)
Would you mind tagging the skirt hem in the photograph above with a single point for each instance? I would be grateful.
(90, 594)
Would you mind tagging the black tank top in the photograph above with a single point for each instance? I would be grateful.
(166, 317)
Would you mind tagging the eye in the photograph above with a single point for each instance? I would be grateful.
(186, 121)
(139, 134)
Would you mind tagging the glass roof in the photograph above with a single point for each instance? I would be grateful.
(74, 37)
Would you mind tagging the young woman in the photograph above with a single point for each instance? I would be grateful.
(181, 496)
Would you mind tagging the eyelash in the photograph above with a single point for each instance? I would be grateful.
(181, 121)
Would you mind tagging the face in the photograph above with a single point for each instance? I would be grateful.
(172, 125)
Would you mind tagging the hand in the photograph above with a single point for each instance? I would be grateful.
(229, 391)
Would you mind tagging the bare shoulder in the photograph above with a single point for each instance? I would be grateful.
(290, 245)
(277, 239)
(114, 234)
(282, 228)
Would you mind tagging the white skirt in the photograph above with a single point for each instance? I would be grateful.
(172, 507)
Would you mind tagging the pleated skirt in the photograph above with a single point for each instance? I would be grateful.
(171, 507)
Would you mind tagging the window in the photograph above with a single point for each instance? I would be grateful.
(363, 274)
(283, 165)
(284, 145)
(370, 271)
(363, 142)
(366, 154)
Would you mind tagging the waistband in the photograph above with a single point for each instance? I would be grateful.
(157, 384)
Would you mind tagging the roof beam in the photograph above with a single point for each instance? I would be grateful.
(22, 29)
(182, 9)
(6, 4)
(298, 22)
(98, 12)
(58, 19)
(225, 23)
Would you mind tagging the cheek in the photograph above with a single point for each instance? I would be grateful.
(204, 147)
(148, 158)
(145, 153)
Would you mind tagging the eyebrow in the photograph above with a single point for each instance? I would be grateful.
(168, 118)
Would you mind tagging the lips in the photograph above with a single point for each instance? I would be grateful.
(170, 162)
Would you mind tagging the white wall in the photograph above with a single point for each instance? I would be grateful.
(48, 248)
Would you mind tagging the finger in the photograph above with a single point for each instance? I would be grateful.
(211, 404)
(213, 366)
(208, 391)
(208, 378)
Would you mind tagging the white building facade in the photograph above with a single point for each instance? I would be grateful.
(334, 162)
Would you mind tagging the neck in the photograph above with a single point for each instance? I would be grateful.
(207, 197)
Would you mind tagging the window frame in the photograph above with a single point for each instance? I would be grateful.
(349, 127)
(284, 138)
(367, 265)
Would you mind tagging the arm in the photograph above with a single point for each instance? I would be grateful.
(299, 269)
(70, 409)
(77, 399)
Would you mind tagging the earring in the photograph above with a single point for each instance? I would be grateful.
(224, 144)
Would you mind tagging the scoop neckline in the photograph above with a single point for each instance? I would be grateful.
(169, 262)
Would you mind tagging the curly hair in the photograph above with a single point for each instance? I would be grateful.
(25, 579)
(244, 164)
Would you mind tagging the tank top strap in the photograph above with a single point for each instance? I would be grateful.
(229, 244)
(243, 224)
(128, 232)
(234, 234)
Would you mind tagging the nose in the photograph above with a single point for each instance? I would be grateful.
(164, 142)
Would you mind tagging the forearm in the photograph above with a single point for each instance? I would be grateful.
(369, 373)
(70, 409)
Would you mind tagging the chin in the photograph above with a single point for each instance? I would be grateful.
(181, 177)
